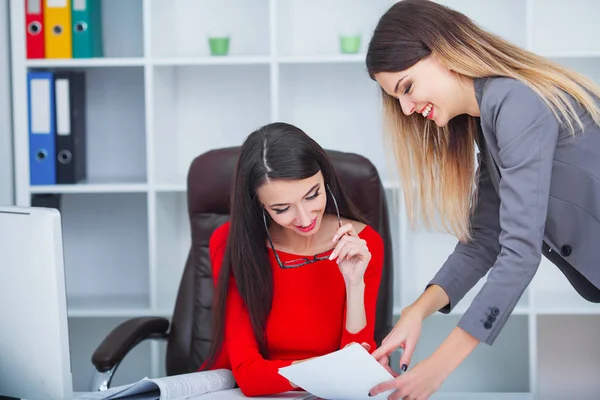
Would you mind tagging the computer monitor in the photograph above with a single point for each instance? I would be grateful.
(34, 339)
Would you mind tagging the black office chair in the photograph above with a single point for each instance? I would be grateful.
(208, 190)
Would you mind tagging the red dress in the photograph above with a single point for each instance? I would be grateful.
(307, 318)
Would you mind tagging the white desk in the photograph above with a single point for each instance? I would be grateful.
(237, 394)
(482, 396)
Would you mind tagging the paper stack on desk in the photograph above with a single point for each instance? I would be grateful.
(347, 374)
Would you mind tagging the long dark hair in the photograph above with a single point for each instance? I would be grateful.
(437, 163)
(275, 151)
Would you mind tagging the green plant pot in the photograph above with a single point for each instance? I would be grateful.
(350, 44)
(219, 46)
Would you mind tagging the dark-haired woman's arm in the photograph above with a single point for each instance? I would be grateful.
(253, 373)
(361, 298)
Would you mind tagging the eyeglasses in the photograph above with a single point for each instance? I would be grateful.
(299, 262)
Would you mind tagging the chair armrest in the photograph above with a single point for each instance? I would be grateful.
(125, 337)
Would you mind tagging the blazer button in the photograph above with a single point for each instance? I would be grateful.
(487, 325)
(495, 311)
(491, 318)
(566, 250)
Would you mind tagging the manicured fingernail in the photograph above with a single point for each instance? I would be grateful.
(332, 256)
(334, 238)
(404, 366)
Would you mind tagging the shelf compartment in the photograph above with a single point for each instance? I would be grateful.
(427, 252)
(578, 21)
(568, 357)
(106, 252)
(173, 241)
(505, 18)
(336, 105)
(115, 127)
(116, 124)
(122, 37)
(506, 362)
(313, 27)
(122, 28)
(175, 22)
(197, 109)
(85, 334)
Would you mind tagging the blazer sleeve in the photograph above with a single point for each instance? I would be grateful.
(472, 260)
(527, 133)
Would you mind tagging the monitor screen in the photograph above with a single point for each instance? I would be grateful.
(34, 338)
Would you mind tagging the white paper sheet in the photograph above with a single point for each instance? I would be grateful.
(176, 387)
(185, 386)
(101, 395)
(347, 374)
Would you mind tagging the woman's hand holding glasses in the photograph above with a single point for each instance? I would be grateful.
(352, 254)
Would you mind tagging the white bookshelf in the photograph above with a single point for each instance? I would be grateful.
(158, 99)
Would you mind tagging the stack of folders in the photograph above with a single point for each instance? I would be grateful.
(63, 28)
(57, 127)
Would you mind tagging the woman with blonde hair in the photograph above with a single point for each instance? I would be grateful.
(448, 86)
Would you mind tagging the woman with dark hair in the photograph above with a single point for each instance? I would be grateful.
(298, 269)
(448, 85)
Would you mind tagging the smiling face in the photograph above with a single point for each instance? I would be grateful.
(427, 88)
(297, 205)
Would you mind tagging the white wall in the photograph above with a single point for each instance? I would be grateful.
(6, 150)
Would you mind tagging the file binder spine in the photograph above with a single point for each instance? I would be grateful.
(46, 200)
(58, 34)
(40, 105)
(34, 24)
(87, 28)
(70, 127)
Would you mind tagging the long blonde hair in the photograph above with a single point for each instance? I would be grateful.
(436, 164)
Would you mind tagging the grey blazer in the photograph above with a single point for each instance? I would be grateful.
(537, 183)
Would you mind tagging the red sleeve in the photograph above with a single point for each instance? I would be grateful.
(372, 280)
(254, 375)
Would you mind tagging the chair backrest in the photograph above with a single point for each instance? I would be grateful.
(208, 183)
